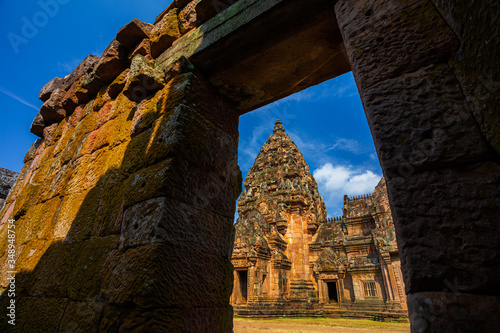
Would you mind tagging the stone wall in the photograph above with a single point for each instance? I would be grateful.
(124, 208)
(7, 180)
(428, 75)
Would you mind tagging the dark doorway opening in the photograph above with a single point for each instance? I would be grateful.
(332, 291)
(243, 277)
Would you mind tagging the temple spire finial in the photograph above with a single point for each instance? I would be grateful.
(278, 127)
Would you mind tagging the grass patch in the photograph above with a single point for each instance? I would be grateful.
(331, 322)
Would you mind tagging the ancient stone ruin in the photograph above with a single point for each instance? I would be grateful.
(124, 208)
(291, 260)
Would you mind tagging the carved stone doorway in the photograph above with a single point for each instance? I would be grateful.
(332, 291)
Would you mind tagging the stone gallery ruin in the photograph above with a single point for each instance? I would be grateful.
(124, 208)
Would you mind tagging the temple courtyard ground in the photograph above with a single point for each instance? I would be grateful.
(316, 325)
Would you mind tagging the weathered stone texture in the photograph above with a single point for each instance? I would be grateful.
(395, 44)
(453, 239)
(133, 33)
(83, 206)
(432, 111)
(164, 33)
(475, 64)
(7, 180)
(445, 312)
(446, 133)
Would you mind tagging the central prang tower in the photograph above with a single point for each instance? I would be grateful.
(280, 211)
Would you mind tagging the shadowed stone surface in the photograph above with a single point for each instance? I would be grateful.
(133, 33)
(446, 133)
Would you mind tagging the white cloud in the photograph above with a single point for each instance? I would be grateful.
(68, 66)
(336, 181)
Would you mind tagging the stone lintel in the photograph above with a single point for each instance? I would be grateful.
(253, 57)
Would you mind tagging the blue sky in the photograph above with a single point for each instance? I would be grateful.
(43, 39)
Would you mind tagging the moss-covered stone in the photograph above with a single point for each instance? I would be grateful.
(38, 222)
(165, 32)
(101, 99)
(146, 114)
(122, 105)
(117, 85)
(70, 207)
(143, 79)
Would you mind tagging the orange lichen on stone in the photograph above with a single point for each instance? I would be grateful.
(165, 32)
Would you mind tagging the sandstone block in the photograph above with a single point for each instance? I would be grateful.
(38, 222)
(118, 84)
(112, 62)
(81, 317)
(49, 88)
(144, 49)
(101, 99)
(452, 311)
(419, 121)
(68, 80)
(217, 319)
(52, 110)
(446, 221)
(412, 38)
(80, 70)
(85, 278)
(164, 33)
(50, 134)
(175, 178)
(23, 305)
(70, 100)
(143, 79)
(112, 318)
(45, 315)
(37, 126)
(169, 220)
(164, 275)
(30, 154)
(47, 281)
(356, 17)
(146, 114)
(179, 4)
(133, 32)
(476, 65)
(88, 86)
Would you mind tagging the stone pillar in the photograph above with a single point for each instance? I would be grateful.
(427, 73)
(385, 278)
(392, 278)
(341, 286)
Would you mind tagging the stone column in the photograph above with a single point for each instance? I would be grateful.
(427, 73)
(341, 275)
(392, 278)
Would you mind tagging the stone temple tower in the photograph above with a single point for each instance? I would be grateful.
(280, 210)
(291, 260)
